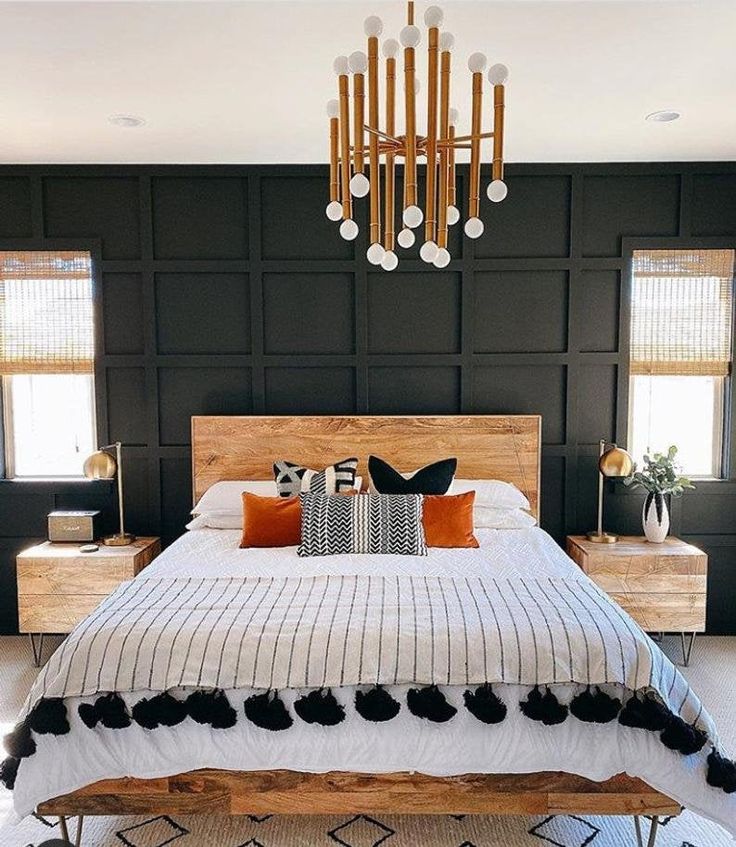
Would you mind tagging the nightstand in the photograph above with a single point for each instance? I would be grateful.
(58, 585)
(662, 586)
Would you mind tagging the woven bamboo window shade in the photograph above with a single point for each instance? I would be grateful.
(46, 313)
(681, 312)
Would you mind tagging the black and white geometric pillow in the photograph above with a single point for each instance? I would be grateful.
(366, 523)
(292, 479)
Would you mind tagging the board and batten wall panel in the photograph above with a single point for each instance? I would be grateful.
(225, 290)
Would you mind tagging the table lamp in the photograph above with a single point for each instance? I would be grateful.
(101, 465)
(613, 462)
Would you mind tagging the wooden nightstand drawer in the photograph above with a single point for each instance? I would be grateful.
(52, 576)
(666, 612)
(53, 613)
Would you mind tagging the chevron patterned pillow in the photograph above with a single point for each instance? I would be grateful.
(367, 523)
(292, 479)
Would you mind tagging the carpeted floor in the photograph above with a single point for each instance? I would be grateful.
(712, 673)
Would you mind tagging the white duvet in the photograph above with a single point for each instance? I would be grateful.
(463, 745)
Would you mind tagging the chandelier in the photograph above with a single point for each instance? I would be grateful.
(351, 158)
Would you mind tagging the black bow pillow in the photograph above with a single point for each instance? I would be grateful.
(431, 479)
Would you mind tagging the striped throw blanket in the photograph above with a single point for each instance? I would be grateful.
(323, 631)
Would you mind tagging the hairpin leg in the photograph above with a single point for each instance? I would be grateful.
(37, 648)
(63, 828)
(637, 827)
(78, 839)
(653, 829)
(686, 653)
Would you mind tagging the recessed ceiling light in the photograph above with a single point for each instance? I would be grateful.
(664, 116)
(126, 121)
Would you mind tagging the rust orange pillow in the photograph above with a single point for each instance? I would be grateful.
(448, 520)
(271, 521)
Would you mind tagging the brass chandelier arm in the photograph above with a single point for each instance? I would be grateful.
(474, 187)
(375, 171)
(452, 182)
(430, 221)
(444, 173)
(345, 158)
(410, 167)
(390, 198)
(498, 117)
(385, 135)
(334, 159)
(359, 122)
(456, 139)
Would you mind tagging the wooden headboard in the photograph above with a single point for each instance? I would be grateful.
(504, 447)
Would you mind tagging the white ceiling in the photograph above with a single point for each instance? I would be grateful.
(247, 82)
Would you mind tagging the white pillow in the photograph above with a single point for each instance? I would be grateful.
(221, 506)
(225, 496)
(489, 517)
(491, 492)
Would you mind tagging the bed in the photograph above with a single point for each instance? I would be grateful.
(404, 765)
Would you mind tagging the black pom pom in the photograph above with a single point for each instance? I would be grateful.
(19, 743)
(320, 707)
(543, 707)
(49, 717)
(683, 737)
(430, 703)
(211, 707)
(376, 705)
(88, 714)
(485, 705)
(112, 712)
(268, 711)
(8, 772)
(721, 772)
(595, 708)
(645, 713)
(161, 710)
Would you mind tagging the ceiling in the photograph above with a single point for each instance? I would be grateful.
(247, 82)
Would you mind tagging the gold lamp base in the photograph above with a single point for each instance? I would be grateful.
(118, 540)
(602, 537)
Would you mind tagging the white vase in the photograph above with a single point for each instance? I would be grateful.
(655, 518)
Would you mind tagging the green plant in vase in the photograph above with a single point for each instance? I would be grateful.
(660, 477)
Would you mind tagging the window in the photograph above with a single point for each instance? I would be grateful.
(681, 347)
(47, 362)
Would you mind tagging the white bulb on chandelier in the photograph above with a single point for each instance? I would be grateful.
(349, 230)
(453, 215)
(406, 238)
(333, 109)
(498, 74)
(477, 63)
(358, 62)
(340, 65)
(413, 216)
(454, 116)
(410, 36)
(390, 48)
(442, 259)
(375, 254)
(497, 190)
(359, 185)
(447, 41)
(433, 16)
(389, 261)
(428, 251)
(474, 227)
(373, 26)
(334, 210)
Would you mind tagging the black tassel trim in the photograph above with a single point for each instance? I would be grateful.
(211, 707)
(8, 772)
(320, 707)
(112, 712)
(645, 713)
(49, 717)
(19, 744)
(376, 705)
(88, 713)
(595, 708)
(430, 703)
(683, 737)
(543, 707)
(485, 705)
(721, 772)
(161, 710)
(268, 711)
